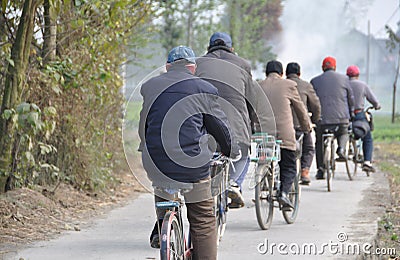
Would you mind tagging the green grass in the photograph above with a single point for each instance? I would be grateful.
(387, 140)
(132, 112)
(385, 131)
(387, 152)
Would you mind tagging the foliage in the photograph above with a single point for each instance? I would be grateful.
(29, 160)
(81, 86)
(252, 25)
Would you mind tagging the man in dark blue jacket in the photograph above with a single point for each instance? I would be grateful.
(180, 112)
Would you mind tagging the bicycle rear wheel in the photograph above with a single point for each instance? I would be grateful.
(294, 196)
(328, 165)
(264, 196)
(172, 238)
(348, 161)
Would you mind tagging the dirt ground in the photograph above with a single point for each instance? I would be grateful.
(42, 213)
(389, 227)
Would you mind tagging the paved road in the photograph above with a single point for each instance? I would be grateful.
(350, 210)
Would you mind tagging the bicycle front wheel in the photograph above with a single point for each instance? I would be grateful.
(355, 155)
(264, 196)
(172, 238)
(294, 196)
(221, 211)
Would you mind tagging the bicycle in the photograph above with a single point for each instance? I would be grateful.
(329, 159)
(173, 243)
(220, 181)
(328, 140)
(357, 147)
(357, 153)
(267, 181)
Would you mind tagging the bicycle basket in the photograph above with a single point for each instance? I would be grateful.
(266, 148)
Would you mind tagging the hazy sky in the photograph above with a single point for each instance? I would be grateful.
(381, 13)
(311, 28)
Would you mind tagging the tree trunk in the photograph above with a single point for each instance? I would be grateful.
(394, 89)
(189, 24)
(50, 33)
(15, 80)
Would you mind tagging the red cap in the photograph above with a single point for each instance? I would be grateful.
(353, 71)
(329, 63)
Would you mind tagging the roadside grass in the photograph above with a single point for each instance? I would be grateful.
(387, 152)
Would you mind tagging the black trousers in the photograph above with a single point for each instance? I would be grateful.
(287, 166)
(341, 135)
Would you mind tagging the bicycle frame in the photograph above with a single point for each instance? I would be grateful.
(266, 155)
(220, 174)
(328, 140)
(180, 248)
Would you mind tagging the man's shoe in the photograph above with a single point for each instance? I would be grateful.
(235, 195)
(342, 155)
(368, 168)
(285, 201)
(236, 204)
(155, 237)
(305, 176)
(155, 241)
(320, 175)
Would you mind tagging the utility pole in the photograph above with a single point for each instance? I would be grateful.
(368, 51)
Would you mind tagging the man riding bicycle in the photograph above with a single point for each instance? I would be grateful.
(311, 101)
(337, 105)
(361, 92)
(283, 96)
(231, 75)
(179, 114)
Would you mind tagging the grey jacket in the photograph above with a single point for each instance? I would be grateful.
(309, 98)
(335, 96)
(362, 91)
(283, 96)
(231, 75)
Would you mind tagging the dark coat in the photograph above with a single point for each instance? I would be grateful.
(309, 98)
(231, 75)
(179, 111)
(335, 96)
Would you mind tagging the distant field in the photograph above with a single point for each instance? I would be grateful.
(385, 131)
(387, 143)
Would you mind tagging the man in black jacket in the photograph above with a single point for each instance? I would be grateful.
(231, 75)
(179, 114)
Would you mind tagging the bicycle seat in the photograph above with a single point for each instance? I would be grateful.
(167, 204)
(329, 131)
(172, 187)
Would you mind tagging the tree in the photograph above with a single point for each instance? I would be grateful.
(62, 101)
(252, 24)
(394, 44)
(15, 81)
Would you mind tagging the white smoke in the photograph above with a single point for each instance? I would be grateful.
(311, 29)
